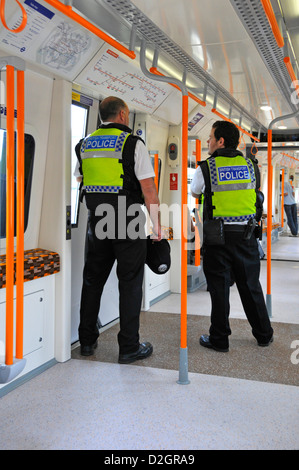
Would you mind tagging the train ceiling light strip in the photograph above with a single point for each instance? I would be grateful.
(147, 30)
(255, 21)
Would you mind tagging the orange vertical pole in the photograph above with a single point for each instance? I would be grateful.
(156, 169)
(269, 220)
(197, 240)
(184, 222)
(20, 216)
(282, 196)
(9, 214)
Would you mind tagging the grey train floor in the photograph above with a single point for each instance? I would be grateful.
(245, 359)
(246, 399)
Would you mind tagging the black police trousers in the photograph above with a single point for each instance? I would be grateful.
(241, 258)
(100, 257)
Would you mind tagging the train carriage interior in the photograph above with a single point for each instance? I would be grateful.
(180, 65)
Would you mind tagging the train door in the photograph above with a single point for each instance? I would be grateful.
(85, 112)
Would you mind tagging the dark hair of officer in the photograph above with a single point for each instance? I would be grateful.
(110, 107)
(228, 131)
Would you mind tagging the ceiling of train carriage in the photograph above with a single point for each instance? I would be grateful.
(219, 43)
(224, 50)
(217, 34)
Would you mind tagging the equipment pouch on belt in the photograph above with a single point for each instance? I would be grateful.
(213, 232)
(250, 228)
(258, 231)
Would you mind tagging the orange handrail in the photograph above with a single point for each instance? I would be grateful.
(222, 42)
(9, 214)
(290, 69)
(242, 141)
(269, 211)
(229, 120)
(273, 23)
(2, 17)
(197, 240)
(251, 150)
(68, 11)
(155, 71)
(290, 156)
(184, 222)
(282, 196)
(20, 215)
(156, 169)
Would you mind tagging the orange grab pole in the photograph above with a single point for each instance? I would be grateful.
(254, 147)
(290, 69)
(184, 222)
(229, 120)
(273, 23)
(242, 142)
(156, 171)
(290, 156)
(193, 97)
(67, 10)
(197, 241)
(2, 17)
(282, 195)
(9, 215)
(20, 216)
(269, 211)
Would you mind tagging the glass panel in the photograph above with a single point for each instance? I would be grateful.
(79, 125)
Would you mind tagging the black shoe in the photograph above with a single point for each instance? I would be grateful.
(266, 344)
(204, 340)
(145, 350)
(88, 350)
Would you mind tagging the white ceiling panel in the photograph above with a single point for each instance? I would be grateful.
(212, 34)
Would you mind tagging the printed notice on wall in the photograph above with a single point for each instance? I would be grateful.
(50, 40)
(112, 74)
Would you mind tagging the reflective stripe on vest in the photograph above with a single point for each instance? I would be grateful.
(101, 153)
(233, 187)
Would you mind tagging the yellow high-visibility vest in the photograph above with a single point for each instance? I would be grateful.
(101, 155)
(233, 188)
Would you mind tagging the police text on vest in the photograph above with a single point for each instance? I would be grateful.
(233, 173)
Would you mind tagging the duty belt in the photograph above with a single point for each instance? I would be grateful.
(235, 227)
(247, 229)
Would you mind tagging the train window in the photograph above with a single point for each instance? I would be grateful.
(79, 127)
(28, 168)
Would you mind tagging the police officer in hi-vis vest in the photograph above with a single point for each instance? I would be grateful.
(118, 178)
(229, 184)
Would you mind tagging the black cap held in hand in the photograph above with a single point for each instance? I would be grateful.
(158, 255)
